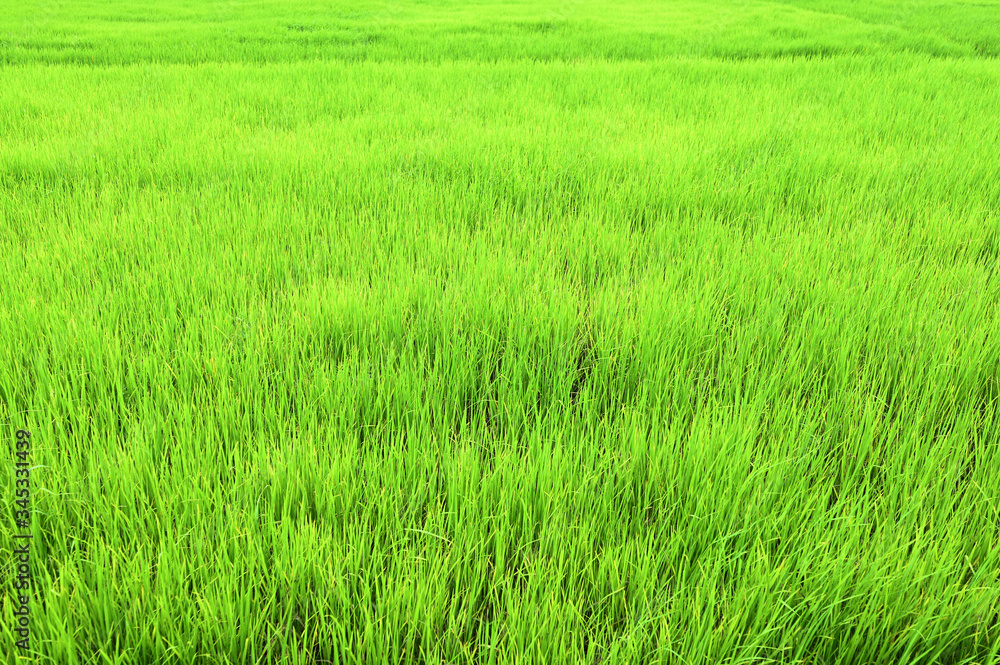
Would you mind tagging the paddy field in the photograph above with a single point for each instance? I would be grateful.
(486, 333)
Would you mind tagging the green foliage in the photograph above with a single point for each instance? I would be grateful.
(556, 332)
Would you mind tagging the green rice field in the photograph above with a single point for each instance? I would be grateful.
(471, 333)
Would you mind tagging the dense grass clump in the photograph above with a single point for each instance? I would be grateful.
(552, 332)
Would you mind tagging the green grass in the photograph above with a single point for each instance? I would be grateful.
(469, 333)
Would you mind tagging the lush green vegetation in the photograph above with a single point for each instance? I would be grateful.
(543, 333)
